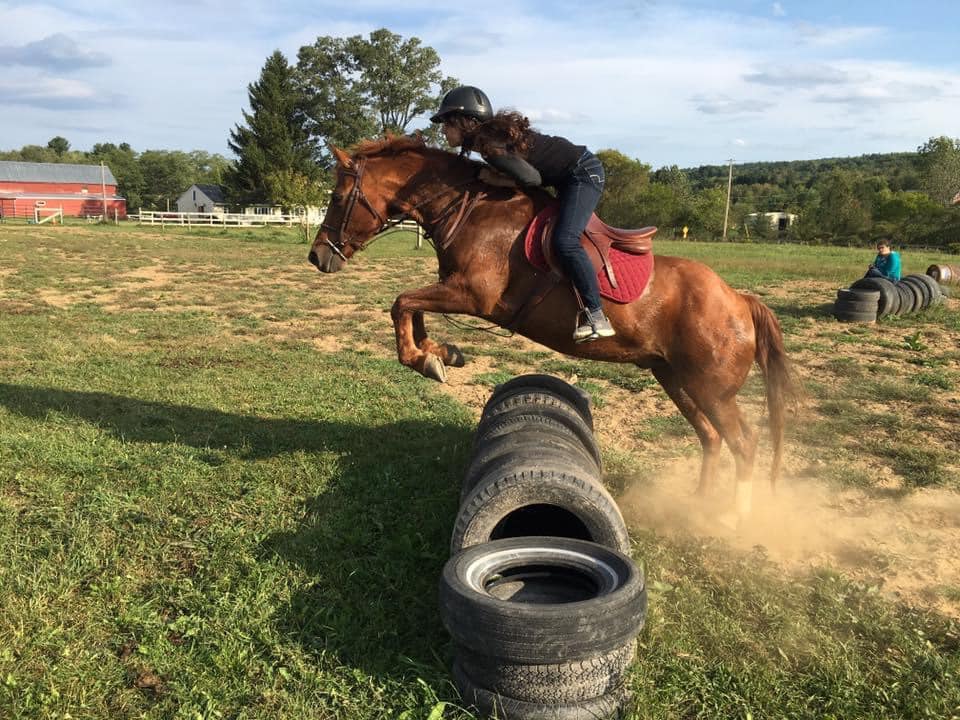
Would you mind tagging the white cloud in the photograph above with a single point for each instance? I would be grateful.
(54, 52)
(54, 93)
(658, 81)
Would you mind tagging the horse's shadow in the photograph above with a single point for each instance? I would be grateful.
(371, 544)
(817, 311)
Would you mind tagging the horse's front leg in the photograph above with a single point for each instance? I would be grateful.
(414, 348)
(450, 354)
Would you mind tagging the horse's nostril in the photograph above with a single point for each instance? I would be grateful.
(314, 260)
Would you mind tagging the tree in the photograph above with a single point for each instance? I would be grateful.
(841, 215)
(940, 168)
(274, 139)
(625, 181)
(59, 145)
(209, 168)
(358, 88)
(709, 208)
(166, 175)
(125, 166)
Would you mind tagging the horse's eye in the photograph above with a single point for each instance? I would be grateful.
(337, 197)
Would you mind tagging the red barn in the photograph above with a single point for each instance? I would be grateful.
(77, 189)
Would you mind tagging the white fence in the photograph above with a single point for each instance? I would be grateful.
(150, 217)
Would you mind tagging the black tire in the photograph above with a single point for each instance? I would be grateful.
(917, 304)
(908, 299)
(542, 600)
(519, 419)
(888, 301)
(491, 704)
(520, 448)
(923, 291)
(576, 396)
(539, 499)
(534, 399)
(936, 297)
(844, 314)
(525, 431)
(857, 305)
(550, 683)
(858, 295)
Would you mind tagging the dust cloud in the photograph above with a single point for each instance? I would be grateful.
(908, 546)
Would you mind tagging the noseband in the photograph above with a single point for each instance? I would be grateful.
(355, 194)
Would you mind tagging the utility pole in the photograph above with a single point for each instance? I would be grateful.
(103, 190)
(726, 213)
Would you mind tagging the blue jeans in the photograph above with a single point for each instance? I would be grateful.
(579, 195)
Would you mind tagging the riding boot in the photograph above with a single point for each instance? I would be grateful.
(593, 326)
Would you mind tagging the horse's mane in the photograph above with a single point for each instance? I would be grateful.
(392, 144)
(389, 144)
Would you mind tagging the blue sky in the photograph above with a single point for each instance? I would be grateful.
(687, 83)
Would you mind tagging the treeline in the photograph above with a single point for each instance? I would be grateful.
(910, 198)
(150, 179)
(343, 90)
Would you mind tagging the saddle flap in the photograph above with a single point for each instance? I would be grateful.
(622, 259)
(597, 239)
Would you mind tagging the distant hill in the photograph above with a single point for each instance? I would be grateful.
(899, 169)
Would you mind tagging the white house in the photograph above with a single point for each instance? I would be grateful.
(780, 221)
(202, 199)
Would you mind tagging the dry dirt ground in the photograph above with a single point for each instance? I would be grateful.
(907, 546)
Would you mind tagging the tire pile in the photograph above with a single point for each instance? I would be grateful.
(540, 596)
(868, 299)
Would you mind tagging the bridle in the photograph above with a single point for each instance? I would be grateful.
(356, 172)
(357, 194)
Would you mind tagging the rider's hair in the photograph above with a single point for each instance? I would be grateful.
(506, 132)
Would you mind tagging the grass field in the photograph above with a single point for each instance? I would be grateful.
(222, 497)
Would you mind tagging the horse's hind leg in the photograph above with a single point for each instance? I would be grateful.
(450, 354)
(742, 441)
(710, 441)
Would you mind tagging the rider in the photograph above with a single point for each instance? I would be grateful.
(526, 157)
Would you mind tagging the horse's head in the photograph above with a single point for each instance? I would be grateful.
(355, 214)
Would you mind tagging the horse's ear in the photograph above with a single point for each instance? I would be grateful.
(343, 159)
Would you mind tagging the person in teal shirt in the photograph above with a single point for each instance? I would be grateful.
(886, 264)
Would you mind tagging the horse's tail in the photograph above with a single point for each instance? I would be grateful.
(781, 385)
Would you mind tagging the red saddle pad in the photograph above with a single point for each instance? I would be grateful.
(632, 271)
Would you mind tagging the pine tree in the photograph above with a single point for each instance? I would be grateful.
(273, 142)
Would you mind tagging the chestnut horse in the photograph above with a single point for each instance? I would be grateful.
(697, 335)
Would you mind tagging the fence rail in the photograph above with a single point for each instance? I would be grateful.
(152, 217)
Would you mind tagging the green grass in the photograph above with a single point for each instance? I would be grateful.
(206, 516)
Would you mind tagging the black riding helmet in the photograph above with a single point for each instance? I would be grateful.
(466, 100)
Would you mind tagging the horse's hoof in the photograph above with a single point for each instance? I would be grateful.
(433, 368)
(455, 356)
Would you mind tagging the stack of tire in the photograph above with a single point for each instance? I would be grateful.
(540, 596)
(871, 298)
